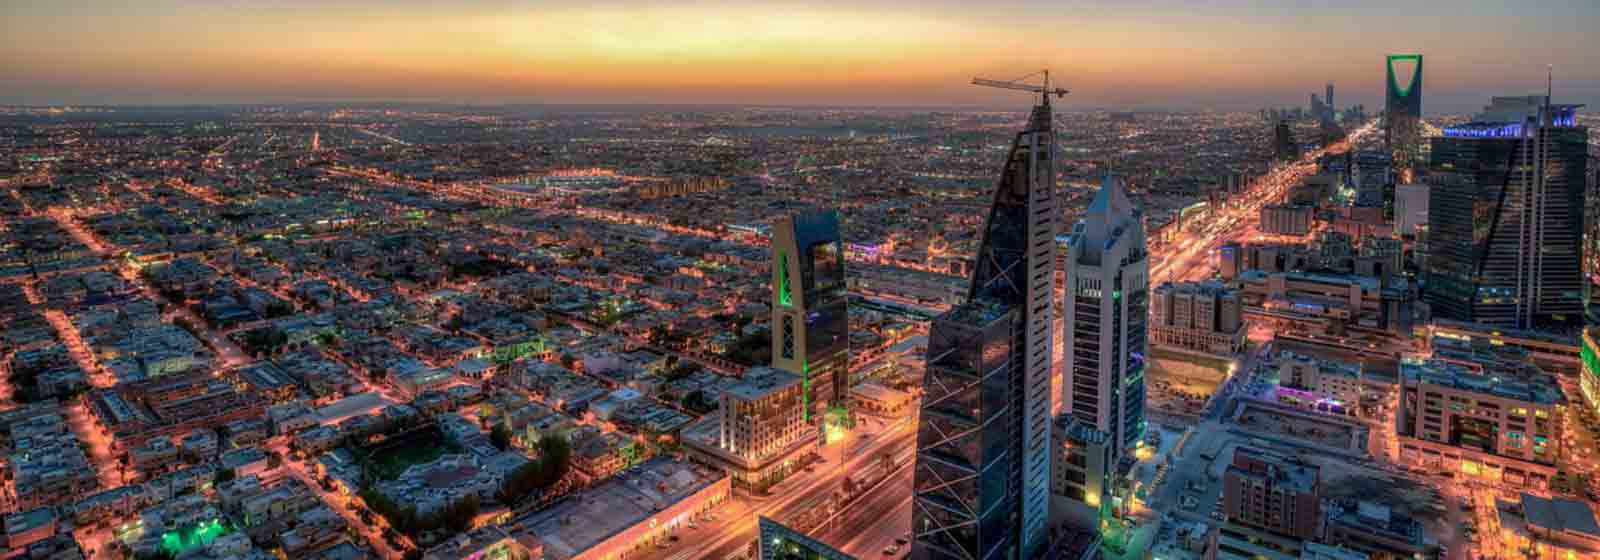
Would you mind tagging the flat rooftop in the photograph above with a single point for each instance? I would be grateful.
(1539, 389)
(759, 382)
(588, 518)
(1281, 469)
(1558, 514)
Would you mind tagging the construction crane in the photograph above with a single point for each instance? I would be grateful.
(1019, 84)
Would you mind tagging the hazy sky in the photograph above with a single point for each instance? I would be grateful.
(1224, 54)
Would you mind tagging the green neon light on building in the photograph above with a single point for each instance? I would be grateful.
(805, 392)
(783, 280)
(1416, 73)
(177, 542)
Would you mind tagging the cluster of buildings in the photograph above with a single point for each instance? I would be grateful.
(203, 360)
(1274, 508)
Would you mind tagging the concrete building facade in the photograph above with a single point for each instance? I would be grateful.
(1203, 317)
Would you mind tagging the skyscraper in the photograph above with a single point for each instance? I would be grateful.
(810, 317)
(1329, 99)
(1283, 144)
(1402, 118)
(1505, 216)
(982, 475)
(1107, 309)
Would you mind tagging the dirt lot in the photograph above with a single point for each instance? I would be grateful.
(1304, 427)
(1181, 383)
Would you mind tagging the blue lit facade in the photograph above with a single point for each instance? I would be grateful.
(1506, 217)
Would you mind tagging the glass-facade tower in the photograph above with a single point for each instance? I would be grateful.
(1506, 215)
(981, 489)
(810, 314)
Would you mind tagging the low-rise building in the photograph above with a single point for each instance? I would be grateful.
(1287, 219)
(1373, 529)
(1488, 416)
(626, 513)
(200, 444)
(25, 528)
(245, 461)
(1273, 493)
(290, 417)
(47, 462)
(1329, 303)
(1550, 527)
(877, 400)
(1322, 385)
(413, 382)
(760, 429)
(492, 541)
(1201, 317)
(171, 406)
(154, 456)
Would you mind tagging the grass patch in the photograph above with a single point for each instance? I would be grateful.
(389, 459)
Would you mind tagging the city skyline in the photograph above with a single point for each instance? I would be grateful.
(708, 280)
(1231, 56)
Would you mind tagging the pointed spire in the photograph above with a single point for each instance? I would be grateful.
(1111, 200)
(1109, 210)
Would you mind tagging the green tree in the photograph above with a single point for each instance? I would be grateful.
(555, 456)
(500, 436)
(696, 401)
(327, 338)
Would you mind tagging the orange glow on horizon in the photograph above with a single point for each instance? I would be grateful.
(686, 52)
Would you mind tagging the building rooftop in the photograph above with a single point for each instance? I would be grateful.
(1539, 389)
(1209, 287)
(591, 516)
(1559, 514)
(1284, 471)
(759, 382)
(1378, 519)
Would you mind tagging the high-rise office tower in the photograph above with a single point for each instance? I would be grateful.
(1505, 217)
(810, 317)
(1591, 218)
(1402, 118)
(1107, 313)
(1283, 144)
(1329, 99)
(982, 474)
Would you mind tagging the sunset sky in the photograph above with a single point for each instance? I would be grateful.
(1221, 54)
